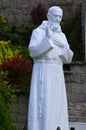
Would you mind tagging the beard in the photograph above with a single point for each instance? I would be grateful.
(55, 26)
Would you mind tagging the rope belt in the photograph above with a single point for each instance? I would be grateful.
(48, 61)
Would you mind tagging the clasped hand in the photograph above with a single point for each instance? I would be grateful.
(49, 31)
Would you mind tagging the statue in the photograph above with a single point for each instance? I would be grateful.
(49, 49)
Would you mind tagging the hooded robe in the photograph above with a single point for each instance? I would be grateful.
(48, 100)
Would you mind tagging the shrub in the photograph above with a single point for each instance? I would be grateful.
(5, 119)
(2, 19)
(19, 71)
(17, 35)
(5, 89)
(12, 33)
(7, 51)
(6, 98)
(20, 50)
(38, 14)
(72, 28)
(5, 42)
(28, 28)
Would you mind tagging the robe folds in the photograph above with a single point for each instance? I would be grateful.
(47, 108)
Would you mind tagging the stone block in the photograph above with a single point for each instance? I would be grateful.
(75, 78)
(69, 87)
(77, 97)
(19, 111)
(83, 78)
(21, 3)
(78, 88)
(5, 3)
(77, 112)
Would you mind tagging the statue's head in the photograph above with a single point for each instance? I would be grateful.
(55, 14)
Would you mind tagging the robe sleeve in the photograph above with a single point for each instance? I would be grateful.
(39, 44)
(66, 54)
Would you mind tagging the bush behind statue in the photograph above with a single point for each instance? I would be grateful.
(6, 98)
(5, 119)
(72, 28)
(19, 72)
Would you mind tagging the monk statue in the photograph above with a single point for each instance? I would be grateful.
(49, 49)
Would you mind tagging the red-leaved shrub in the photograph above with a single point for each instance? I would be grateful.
(19, 70)
(38, 14)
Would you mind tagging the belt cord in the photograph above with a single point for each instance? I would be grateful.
(41, 89)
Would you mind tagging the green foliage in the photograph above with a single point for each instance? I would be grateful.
(7, 50)
(12, 33)
(20, 50)
(5, 89)
(27, 31)
(29, 28)
(17, 35)
(5, 119)
(2, 19)
(72, 28)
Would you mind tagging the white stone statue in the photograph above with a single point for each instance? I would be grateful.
(49, 49)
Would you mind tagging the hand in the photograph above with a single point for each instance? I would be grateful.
(49, 31)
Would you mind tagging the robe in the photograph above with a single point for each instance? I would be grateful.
(47, 108)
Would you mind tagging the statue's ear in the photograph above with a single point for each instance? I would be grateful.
(48, 16)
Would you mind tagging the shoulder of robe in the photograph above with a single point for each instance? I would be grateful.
(62, 33)
(38, 31)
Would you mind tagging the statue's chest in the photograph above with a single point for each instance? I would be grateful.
(57, 36)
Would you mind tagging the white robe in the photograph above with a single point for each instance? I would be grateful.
(48, 102)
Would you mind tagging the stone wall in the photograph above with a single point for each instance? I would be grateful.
(20, 110)
(18, 11)
(76, 92)
(84, 25)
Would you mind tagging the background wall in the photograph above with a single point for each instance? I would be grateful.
(76, 91)
(18, 11)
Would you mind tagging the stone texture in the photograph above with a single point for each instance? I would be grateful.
(77, 93)
(77, 112)
(19, 111)
(18, 11)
